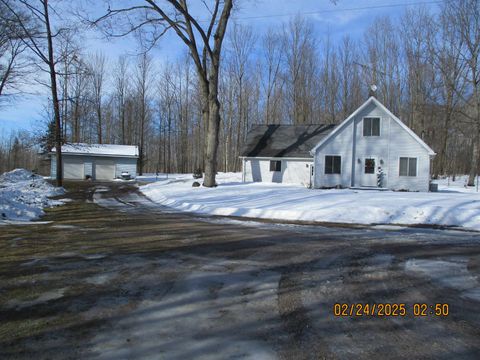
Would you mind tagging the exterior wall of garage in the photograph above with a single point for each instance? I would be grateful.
(121, 164)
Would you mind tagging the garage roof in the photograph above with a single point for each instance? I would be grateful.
(99, 150)
(293, 141)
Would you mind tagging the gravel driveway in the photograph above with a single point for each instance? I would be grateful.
(111, 276)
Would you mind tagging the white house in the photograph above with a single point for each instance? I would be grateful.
(100, 162)
(371, 148)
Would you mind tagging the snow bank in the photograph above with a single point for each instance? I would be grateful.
(287, 202)
(23, 195)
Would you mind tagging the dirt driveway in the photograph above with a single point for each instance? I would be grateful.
(110, 276)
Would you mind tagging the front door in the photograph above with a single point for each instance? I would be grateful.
(369, 174)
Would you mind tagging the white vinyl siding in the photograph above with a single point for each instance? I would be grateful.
(292, 171)
(392, 143)
(339, 143)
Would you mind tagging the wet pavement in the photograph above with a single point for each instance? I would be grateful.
(110, 275)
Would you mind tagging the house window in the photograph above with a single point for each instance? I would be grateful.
(275, 165)
(333, 164)
(408, 166)
(371, 126)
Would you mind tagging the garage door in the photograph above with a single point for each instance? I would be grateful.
(73, 169)
(104, 170)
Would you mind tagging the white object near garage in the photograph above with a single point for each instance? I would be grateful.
(100, 162)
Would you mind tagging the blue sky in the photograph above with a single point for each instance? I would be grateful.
(350, 17)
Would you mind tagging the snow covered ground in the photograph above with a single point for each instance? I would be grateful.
(453, 205)
(23, 196)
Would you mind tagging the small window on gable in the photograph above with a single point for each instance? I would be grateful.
(275, 165)
(371, 126)
(333, 164)
(408, 166)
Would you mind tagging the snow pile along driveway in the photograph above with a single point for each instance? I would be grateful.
(287, 202)
(23, 195)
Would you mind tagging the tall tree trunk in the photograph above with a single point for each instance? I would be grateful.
(443, 148)
(204, 89)
(212, 141)
(475, 158)
(76, 123)
(122, 112)
(56, 106)
(99, 125)
(476, 139)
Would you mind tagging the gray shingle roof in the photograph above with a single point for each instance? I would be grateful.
(284, 140)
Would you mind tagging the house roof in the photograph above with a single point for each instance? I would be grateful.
(370, 100)
(294, 141)
(99, 150)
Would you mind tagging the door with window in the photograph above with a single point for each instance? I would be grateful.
(369, 171)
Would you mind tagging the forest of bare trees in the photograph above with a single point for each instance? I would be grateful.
(424, 63)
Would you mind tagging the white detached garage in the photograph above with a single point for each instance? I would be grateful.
(100, 162)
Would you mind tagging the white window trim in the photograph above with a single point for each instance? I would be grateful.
(379, 127)
(416, 167)
(324, 163)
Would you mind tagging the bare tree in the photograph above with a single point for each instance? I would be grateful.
(241, 42)
(349, 77)
(204, 44)
(142, 84)
(39, 39)
(13, 66)
(300, 54)
(382, 58)
(273, 57)
(97, 73)
(330, 82)
(121, 89)
(464, 17)
(445, 56)
(79, 98)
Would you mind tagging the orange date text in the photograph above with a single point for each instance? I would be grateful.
(390, 309)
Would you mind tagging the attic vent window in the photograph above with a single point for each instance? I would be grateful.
(275, 165)
(371, 126)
